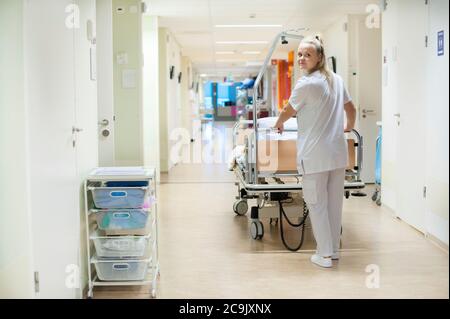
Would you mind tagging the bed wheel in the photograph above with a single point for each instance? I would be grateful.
(347, 194)
(257, 230)
(375, 195)
(378, 202)
(240, 207)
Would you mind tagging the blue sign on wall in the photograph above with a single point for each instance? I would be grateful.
(440, 43)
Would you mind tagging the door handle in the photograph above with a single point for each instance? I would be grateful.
(105, 122)
(397, 115)
(365, 111)
(76, 130)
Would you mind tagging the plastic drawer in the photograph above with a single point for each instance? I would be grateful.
(121, 270)
(126, 184)
(120, 246)
(119, 197)
(122, 219)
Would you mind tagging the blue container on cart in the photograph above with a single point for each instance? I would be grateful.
(122, 219)
(127, 184)
(121, 195)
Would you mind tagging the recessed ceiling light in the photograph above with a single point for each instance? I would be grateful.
(203, 75)
(248, 26)
(251, 52)
(254, 63)
(225, 52)
(241, 42)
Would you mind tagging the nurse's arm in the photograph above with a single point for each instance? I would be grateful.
(350, 110)
(285, 114)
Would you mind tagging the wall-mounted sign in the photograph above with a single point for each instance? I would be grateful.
(440, 43)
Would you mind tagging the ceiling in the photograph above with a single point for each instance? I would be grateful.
(193, 24)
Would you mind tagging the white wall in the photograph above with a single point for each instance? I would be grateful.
(151, 130)
(15, 237)
(390, 101)
(170, 109)
(105, 80)
(437, 137)
(365, 85)
(174, 109)
(185, 99)
(128, 101)
(163, 121)
(336, 42)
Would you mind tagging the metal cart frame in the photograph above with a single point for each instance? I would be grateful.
(153, 271)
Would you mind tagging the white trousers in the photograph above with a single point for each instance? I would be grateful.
(324, 194)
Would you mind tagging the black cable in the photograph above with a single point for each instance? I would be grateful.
(301, 224)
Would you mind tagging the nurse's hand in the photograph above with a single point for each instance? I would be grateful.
(279, 128)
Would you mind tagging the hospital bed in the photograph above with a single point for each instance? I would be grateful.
(265, 164)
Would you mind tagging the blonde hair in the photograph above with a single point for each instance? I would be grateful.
(322, 66)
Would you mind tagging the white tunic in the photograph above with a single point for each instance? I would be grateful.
(321, 143)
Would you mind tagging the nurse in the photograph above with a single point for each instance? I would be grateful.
(320, 100)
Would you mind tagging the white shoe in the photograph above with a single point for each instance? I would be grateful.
(321, 261)
(335, 256)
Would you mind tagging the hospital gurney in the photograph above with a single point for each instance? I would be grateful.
(266, 170)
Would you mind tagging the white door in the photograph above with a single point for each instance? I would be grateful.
(49, 65)
(87, 141)
(369, 93)
(411, 113)
(105, 82)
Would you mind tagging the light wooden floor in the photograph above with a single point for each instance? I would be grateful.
(206, 251)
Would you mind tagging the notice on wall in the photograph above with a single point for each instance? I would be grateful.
(440, 43)
(129, 79)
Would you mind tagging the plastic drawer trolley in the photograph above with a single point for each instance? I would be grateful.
(121, 228)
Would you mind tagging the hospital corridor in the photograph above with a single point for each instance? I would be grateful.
(224, 150)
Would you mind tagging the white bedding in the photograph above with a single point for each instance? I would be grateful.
(268, 122)
(274, 136)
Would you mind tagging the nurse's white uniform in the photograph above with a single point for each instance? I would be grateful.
(322, 154)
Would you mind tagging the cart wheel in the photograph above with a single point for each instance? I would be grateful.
(240, 207)
(375, 196)
(347, 194)
(378, 202)
(257, 230)
(274, 221)
(90, 295)
(154, 294)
